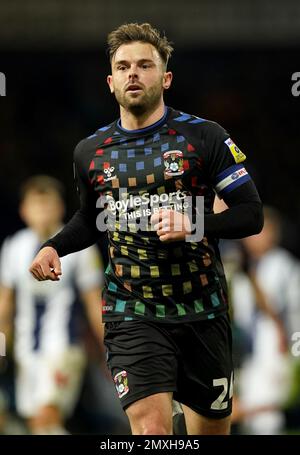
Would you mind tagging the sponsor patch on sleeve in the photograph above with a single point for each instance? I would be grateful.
(237, 154)
(230, 179)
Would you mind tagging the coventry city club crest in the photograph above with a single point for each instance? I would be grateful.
(121, 383)
(173, 161)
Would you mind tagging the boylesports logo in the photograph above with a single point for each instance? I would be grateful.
(133, 211)
(146, 200)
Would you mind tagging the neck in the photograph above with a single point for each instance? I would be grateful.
(131, 121)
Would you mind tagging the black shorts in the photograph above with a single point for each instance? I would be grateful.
(193, 360)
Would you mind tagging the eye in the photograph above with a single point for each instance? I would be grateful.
(121, 67)
(145, 66)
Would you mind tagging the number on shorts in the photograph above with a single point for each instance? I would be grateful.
(219, 403)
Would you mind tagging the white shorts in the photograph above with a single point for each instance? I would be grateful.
(43, 379)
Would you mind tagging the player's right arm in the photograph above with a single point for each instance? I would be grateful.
(46, 265)
(79, 233)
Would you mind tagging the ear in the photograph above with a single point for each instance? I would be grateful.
(109, 80)
(168, 76)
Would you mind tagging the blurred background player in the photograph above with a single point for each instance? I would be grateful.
(264, 283)
(265, 380)
(50, 359)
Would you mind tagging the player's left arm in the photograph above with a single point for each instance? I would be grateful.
(225, 169)
(244, 216)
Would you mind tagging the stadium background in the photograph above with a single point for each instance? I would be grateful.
(233, 63)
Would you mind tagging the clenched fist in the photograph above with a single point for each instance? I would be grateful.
(46, 265)
(171, 225)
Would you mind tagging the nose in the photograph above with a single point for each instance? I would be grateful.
(133, 73)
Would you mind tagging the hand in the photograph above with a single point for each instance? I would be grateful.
(46, 265)
(171, 225)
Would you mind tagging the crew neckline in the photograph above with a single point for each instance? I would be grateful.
(147, 128)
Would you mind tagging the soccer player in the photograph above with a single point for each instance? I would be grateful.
(48, 345)
(167, 331)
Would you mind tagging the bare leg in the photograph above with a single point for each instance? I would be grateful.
(151, 415)
(198, 424)
(48, 420)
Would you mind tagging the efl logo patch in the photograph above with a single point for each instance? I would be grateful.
(237, 154)
(121, 383)
(173, 161)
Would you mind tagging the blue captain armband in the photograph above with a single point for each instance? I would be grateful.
(233, 177)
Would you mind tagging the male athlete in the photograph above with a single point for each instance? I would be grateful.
(167, 331)
(48, 345)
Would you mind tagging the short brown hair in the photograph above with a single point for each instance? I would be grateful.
(42, 184)
(145, 33)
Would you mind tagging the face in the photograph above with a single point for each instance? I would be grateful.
(42, 211)
(138, 77)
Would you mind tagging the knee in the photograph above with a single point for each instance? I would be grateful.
(46, 416)
(151, 415)
(156, 428)
(150, 424)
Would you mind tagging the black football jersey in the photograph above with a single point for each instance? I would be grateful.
(129, 173)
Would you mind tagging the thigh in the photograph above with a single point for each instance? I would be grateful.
(151, 415)
(205, 372)
(198, 424)
(142, 359)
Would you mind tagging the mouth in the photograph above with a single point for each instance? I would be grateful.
(133, 88)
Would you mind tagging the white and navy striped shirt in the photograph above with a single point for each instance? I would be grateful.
(46, 316)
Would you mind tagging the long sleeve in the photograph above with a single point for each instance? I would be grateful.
(81, 231)
(244, 216)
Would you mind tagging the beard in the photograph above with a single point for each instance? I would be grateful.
(142, 102)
